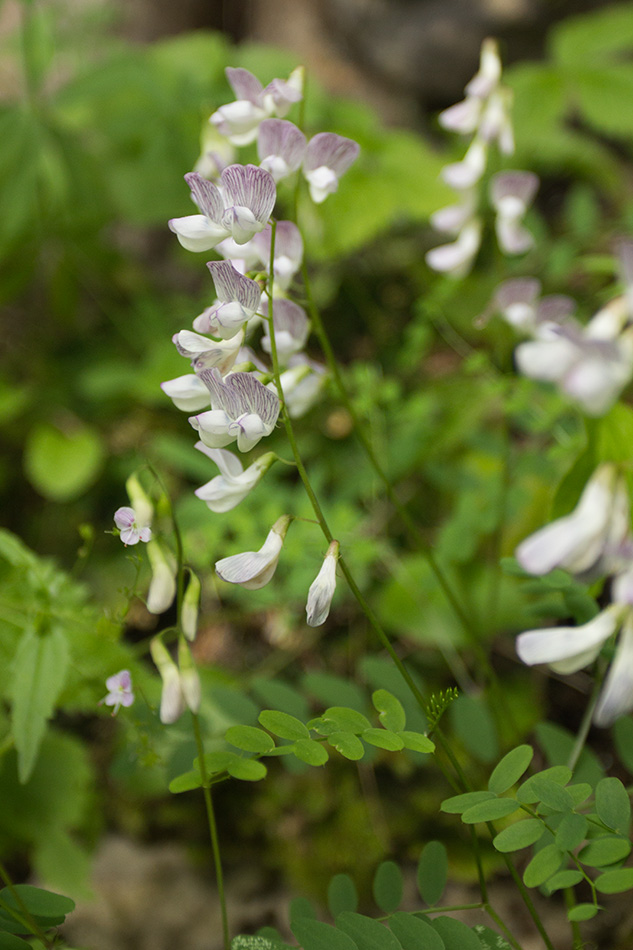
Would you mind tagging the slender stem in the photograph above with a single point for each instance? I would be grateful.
(570, 903)
(213, 831)
(497, 919)
(585, 725)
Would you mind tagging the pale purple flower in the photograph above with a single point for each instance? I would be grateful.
(239, 208)
(131, 531)
(239, 121)
(511, 193)
(291, 326)
(238, 300)
(242, 409)
(322, 588)
(233, 484)
(288, 251)
(327, 157)
(120, 692)
(519, 302)
(253, 569)
(281, 147)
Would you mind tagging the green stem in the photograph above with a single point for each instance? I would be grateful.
(213, 831)
(585, 725)
(497, 919)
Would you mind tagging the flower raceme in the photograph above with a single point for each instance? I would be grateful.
(253, 569)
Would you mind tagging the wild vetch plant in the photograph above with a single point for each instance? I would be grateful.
(250, 377)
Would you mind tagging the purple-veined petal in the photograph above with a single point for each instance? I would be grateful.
(247, 186)
(244, 84)
(280, 146)
(206, 196)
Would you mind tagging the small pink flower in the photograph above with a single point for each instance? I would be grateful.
(131, 531)
(119, 691)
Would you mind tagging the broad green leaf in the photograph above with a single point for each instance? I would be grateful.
(563, 879)
(593, 37)
(62, 465)
(250, 739)
(490, 810)
(604, 851)
(543, 865)
(301, 908)
(391, 712)
(342, 719)
(248, 770)
(460, 803)
(615, 882)
(475, 727)
(415, 933)
(348, 744)
(613, 805)
(383, 739)
(311, 752)
(519, 835)
(316, 935)
(367, 933)
(510, 769)
(388, 886)
(580, 793)
(39, 672)
(283, 725)
(185, 782)
(41, 903)
(416, 742)
(530, 791)
(455, 934)
(571, 831)
(341, 894)
(432, 872)
(551, 794)
(583, 912)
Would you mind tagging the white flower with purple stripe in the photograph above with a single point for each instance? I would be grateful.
(131, 531)
(206, 353)
(281, 147)
(328, 156)
(238, 299)
(243, 410)
(239, 121)
(233, 484)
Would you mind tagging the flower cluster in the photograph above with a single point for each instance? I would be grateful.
(591, 363)
(593, 541)
(485, 115)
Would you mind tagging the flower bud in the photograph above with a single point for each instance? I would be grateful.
(190, 605)
(322, 588)
(172, 700)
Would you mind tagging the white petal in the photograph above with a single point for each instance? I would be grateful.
(252, 569)
(617, 694)
(564, 643)
(322, 590)
(187, 392)
(196, 232)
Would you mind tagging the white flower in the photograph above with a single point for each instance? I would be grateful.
(129, 525)
(206, 353)
(233, 484)
(253, 569)
(187, 393)
(595, 530)
(190, 607)
(302, 383)
(327, 157)
(239, 121)
(172, 700)
(242, 409)
(463, 175)
(511, 193)
(162, 588)
(455, 259)
(189, 678)
(322, 588)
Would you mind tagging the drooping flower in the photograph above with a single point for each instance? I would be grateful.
(587, 539)
(322, 588)
(207, 353)
(233, 484)
(189, 678)
(511, 193)
(239, 121)
(328, 156)
(281, 147)
(119, 689)
(238, 300)
(455, 258)
(302, 384)
(288, 252)
(568, 649)
(242, 409)
(466, 173)
(162, 588)
(190, 607)
(253, 569)
(291, 326)
(239, 208)
(172, 700)
(519, 302)
(128, 524)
